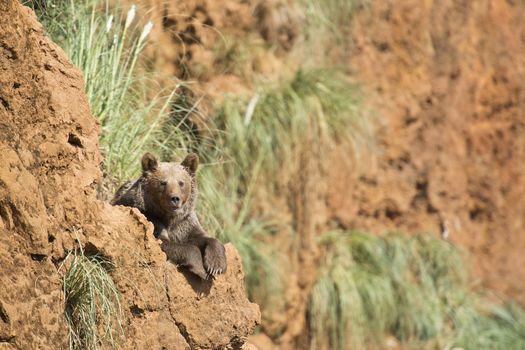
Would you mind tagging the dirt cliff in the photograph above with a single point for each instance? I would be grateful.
(48, 175)
(447, 77)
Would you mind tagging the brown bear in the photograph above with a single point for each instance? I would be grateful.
(166, 193)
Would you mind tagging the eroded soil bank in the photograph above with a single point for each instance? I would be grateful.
(447, 77)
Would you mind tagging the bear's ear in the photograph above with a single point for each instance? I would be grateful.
(150, 163)
(191, 162)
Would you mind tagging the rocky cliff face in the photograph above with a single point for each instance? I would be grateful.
(448, 81)
(48, 174)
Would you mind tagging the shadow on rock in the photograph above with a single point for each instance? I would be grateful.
(200, 286)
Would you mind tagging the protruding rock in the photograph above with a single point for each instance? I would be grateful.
(211, 314)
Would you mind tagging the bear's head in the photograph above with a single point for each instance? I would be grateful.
(170, 187)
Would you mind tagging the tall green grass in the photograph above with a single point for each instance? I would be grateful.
(327, 30)
(92, 302)
(253, 148)
(324, 17)
(269, 129)
(107, 45)
(414, 289)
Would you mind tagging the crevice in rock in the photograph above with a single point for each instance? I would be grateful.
(10, 52)
(38, 257)
(7, 339)
(3, 314)
(5, 104)
(91, 250)
(74, 140)
(180, 326)
(184, 333)
(236, 343)
(136, 311)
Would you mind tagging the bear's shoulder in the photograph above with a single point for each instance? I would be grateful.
(130, 194)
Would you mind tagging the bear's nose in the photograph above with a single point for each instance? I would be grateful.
(175, 199)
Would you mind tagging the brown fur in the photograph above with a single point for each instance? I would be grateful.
(166, 195)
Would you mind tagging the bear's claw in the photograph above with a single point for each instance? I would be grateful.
(214, 272)
(215, 260)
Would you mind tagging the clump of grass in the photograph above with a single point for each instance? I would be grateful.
(270, 127)
(107, 46)
(326, 29)
(329, 16)
(238, 55)
(499, 327)
(92, 302)
(229, 213)
(412, 288)
(253, 148)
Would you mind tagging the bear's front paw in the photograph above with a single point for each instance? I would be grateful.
(214, 259)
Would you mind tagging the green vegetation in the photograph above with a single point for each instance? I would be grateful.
(259, 142)
(412, 288)
(239, 55)
(92, 302)
(271, 127)
(106, 45)
(330, 17)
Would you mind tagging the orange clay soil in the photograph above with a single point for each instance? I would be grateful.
(447, 80)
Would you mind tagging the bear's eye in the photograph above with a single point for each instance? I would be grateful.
(181, 183)
(163, 183)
